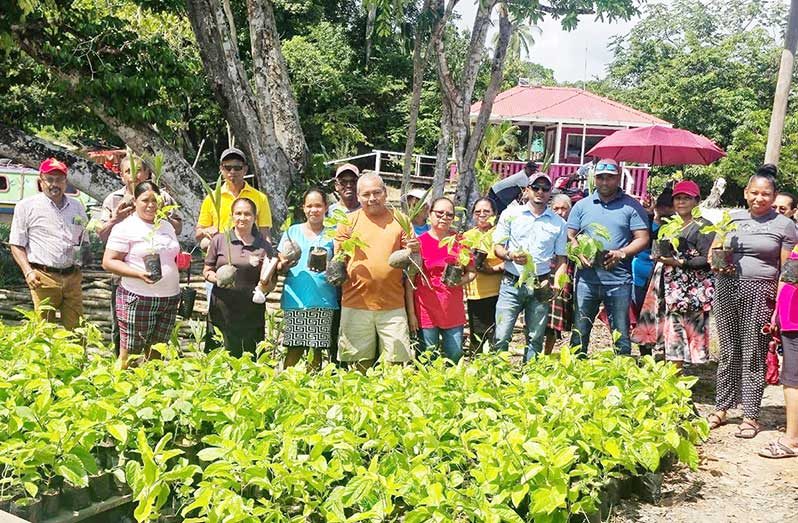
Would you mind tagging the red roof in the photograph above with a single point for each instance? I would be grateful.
(564, 104)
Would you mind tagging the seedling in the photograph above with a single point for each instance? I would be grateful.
(722, 256)
(291, 250)
(479, 242)
(225, 275)
(336, 269)
(668, 234)
(589, 245)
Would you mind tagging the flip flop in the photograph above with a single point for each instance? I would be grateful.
(747, 430)
(778, 450)
(715, 421)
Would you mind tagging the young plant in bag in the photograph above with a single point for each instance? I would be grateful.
(226, 274)
(668, 234)
(589, 246)
(722, 255)
(336, 269)
(404, 258)
(480, 243)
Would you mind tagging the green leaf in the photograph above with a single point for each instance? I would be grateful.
(548, 499)
(118, 431)
(211, 453)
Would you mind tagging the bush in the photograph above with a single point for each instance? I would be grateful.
(216, 437)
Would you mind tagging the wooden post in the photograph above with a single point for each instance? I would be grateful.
(529, 141)
(558, 142)
(584, 137)
(776, 129)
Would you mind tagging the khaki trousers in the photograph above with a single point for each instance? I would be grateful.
(64, 293)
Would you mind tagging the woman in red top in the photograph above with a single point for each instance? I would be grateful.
(439, 308)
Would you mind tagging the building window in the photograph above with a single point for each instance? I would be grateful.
(3, 183)
(573, 142)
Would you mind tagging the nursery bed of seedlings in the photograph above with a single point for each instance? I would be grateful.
(212, 438)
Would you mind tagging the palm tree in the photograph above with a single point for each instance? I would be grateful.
(522, 39)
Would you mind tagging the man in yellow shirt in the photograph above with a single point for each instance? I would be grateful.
(233, 166)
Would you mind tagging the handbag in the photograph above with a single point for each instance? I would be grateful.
(187, 297)
(772, 358)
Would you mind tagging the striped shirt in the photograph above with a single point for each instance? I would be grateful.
(50, 236)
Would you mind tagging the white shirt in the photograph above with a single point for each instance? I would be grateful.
(50, 236)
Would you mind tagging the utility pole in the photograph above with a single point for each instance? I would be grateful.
(776, 129)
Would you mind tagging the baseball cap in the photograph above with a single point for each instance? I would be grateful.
(607, 166)
(539, 176)
(51, 165)
(688, 187)
(232, 151)
(416, 193)
(347, 167)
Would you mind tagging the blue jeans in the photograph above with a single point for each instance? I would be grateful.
(513, 300)
(450, 339)
(616, 300)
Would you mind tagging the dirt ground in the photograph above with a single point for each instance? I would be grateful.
(732, 483)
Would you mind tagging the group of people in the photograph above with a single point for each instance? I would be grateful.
(381, 311)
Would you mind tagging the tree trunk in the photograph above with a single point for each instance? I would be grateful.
(264, 120)
(442, 156)
(419, 65)
(88, 176)
(467, 189)
(782, 94)
(371, 17)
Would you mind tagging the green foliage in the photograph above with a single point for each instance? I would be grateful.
(453, 243)
(721, 229)
(222, 438)
(347, 248)
(475, 239)
(709, 67)
(528, 276)
(499, 143)
(589, 242)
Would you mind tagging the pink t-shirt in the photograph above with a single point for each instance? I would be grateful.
(130, 236)
(437, 305)
(788, 307)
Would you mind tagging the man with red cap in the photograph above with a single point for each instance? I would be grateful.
(45, 239)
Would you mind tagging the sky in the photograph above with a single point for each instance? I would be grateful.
(574, 56)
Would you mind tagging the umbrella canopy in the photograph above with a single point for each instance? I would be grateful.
(658, 145)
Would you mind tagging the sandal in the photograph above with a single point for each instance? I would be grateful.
(716, 421)
(778, 450)
(747, 430)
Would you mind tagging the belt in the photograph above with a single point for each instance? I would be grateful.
(514, 279)
(55, 270)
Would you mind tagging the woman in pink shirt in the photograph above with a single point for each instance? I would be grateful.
(146, 302)
(786, 316)
(439, 309)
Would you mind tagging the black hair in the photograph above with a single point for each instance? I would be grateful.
(440, 198)
(145, 186)
(791, 196)
(247, 200)
(484, 199)
(766, 172)
(665, 199)
(532, 165)
(312, 190)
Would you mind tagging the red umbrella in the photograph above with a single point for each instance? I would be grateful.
(658, 145)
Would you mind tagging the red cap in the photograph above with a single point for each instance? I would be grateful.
(51, 165)
(688, 187)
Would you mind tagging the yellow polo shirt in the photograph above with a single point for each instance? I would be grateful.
(207, 216)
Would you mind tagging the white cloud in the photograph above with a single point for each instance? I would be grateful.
(573, 55)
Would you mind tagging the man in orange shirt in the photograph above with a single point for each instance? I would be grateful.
(373, 306)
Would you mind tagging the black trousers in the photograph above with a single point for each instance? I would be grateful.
(481, 323)
(236, 341)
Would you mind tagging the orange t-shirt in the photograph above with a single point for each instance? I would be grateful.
(373, 284)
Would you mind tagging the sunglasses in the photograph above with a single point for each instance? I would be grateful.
(443, 214)
(608, 167)
(233, 168)
(537, 188)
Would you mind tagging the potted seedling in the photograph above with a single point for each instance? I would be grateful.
(405, 259)
(789, 273)
(290, 249)
(722, 256)
(456, 262)
(480, 244)
(226, 274)
(667, 243)
(336, 269)
(152, 260)
(589, 246)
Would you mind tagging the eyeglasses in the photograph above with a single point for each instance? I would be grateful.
(233, 168)
(444, 214)
(346, 181)
(483, 211)
(544, 188)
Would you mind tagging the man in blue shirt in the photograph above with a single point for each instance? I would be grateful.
(524, 232)
(611, 282)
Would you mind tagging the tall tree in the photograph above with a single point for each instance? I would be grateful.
(458, 90)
